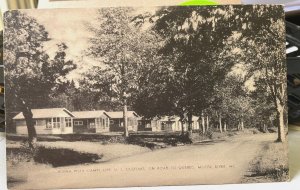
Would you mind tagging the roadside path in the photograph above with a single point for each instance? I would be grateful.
(222, 162)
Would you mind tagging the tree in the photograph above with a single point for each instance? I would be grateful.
(260, 46)
(95, 91)
(195, 38)
(122, 50)
(31, 77)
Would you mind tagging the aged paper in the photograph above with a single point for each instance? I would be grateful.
(145, 96)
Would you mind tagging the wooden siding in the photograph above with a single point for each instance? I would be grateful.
(93, 125)
(44, 126)
(87, 126)
(116, 125)
(157, 125)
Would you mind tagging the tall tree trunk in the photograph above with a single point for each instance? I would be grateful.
(225, 127)
(207, 123)
(242, 125)
(261, 127)
(220, 124)
(271, 122)
(182, 122)
(265, 128)
(190, 129)
(203, 123)
(32, 136)
(238, 127)
(126, 134)
(280, 115)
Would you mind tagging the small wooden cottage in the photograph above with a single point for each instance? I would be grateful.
(164, 123)
(195, 123)
(175, 123)
(47, 121)
(96, 121)
(144, 124)
(156, 124)
(116, 121)
(167, 123)
(170, 123)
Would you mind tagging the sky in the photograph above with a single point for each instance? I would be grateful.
(68, 26)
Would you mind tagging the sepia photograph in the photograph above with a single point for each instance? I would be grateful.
(145, 96)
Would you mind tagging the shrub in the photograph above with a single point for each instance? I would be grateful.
(63, 157)
(19, 154)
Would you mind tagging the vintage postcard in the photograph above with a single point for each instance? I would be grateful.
(145, 96)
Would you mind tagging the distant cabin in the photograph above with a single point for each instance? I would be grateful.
(90, 121)
(47, 121)
(164, 123)
(117, 124)
(195, 123)
(167, 123)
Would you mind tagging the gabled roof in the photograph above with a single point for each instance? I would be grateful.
(173, 118)
(119, 114)
(88, 114)
(164, 118)
(194, 118)
(47, 113)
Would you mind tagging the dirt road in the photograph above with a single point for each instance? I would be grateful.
(207, 163)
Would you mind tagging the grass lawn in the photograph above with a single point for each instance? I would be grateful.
(108, 151)
(271, 165)
(20, 160)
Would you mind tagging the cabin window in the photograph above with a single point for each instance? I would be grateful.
(68, 122)
(112, 122)
(92, 125)
(56, 122)
(78, 122)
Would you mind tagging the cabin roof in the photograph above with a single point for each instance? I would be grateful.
(195, 118)
(174, 118)
(88, 114)
(119, 114)
(47, 113)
